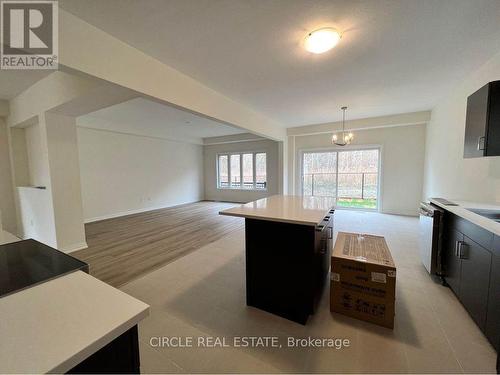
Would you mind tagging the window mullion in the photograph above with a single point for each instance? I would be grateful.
(241, 171)
(229, 171)
(337, 178)
(254, 170)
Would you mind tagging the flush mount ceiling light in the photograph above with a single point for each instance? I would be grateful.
(346, 139)
(322, 40)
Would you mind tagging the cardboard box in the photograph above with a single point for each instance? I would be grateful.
(363, 278)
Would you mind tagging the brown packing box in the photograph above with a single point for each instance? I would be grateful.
(363, 278)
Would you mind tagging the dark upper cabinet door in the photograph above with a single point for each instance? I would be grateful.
(476, 123)
(493, 317)
(493, 139)
(475, 280)
(451, 261)
(482, 125)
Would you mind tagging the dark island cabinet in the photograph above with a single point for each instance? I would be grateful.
(120, 356)
(322, 255)
(287, 266)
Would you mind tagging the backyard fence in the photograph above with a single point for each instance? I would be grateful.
(348, 185)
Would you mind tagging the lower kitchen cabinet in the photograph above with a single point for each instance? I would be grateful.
(474, 279)
(451, 262)
(473, 273)
(492, 329)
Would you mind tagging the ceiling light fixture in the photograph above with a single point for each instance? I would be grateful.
(322, 40)
(346, 138)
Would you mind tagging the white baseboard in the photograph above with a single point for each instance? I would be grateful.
(131, 212)
(74, 247)
(66, 249)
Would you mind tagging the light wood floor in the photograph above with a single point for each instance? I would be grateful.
(125, 248)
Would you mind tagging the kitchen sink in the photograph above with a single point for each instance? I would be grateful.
(489, 214)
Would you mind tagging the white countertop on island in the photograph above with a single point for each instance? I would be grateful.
(55, 325)
(292, 209)
(462, 210)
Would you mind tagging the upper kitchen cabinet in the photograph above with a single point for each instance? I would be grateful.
(482, 126)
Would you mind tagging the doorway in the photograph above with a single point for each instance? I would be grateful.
(350, 176)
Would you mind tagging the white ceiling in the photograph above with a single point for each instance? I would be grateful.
(394, 57)
(144, 117)
(13, 82)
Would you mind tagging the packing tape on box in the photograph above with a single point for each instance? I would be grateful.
(379, 277)
(335, 276)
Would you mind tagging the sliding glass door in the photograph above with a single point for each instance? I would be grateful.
(350, 176)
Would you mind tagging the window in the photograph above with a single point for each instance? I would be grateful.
(349, 176)
(260, 171)
(223, 171)
(242, 171)
(248, 171)
(235, 171)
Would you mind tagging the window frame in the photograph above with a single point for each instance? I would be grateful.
(300, 174)
(254, 169)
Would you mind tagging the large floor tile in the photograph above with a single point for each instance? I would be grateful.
(203, 295)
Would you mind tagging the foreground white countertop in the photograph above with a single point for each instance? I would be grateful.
(285, 208)
(461, 210)
(55, 325)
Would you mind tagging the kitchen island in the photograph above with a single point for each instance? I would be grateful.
(74, 323)
(57, 318)
(288, 244)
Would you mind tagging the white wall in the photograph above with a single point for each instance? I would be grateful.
(52, 215)
(123, 173)
(34, 206)
(35, 158)
(37, 169)
(65, 181)
(229, 195)
(402, 156)
(447, 173)
(36, 216)
(7, 205)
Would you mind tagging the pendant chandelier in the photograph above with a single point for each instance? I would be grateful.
(345, 139)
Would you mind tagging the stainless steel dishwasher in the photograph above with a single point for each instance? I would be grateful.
(431, 237)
